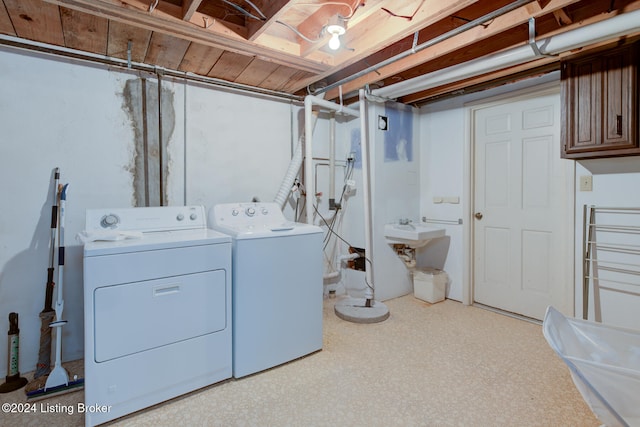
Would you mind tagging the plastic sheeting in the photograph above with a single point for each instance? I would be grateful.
(604, 362)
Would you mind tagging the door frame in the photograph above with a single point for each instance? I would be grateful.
(552, 88)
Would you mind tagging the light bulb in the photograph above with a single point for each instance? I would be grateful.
(336, 31)
(334, 43)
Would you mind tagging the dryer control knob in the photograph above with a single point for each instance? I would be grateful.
(265, 211)
(250, 211)
(235, 212)
(109, 221)
(193, 217)
(180, 217)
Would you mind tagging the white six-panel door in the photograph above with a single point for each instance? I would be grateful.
(521, 238)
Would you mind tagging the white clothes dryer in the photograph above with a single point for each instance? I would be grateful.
(157, 307)
(277, 285)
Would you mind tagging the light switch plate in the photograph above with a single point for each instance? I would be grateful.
(586, 183)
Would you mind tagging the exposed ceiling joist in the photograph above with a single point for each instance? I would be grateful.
(498, 25)
(189, 7)
(167, 18)
(271, 44)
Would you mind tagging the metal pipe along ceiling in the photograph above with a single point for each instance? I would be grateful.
(617, 26)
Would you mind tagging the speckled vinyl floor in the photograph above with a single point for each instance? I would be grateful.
(427, 365)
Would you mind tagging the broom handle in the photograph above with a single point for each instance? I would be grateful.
(61, 249)
(48, 299)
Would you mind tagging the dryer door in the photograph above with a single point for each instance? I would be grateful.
(140, 316)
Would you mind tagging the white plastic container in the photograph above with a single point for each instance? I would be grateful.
(429, 284)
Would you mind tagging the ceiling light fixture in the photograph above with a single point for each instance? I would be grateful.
(336, 31)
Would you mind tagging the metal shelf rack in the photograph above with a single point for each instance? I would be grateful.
(611, 253)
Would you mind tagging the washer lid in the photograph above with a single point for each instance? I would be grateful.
(255, 220)
(250, 231)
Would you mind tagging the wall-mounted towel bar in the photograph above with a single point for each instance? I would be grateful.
(442, 221)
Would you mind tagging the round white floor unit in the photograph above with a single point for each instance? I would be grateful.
(355, 310)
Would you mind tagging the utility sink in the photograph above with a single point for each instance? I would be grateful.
(412, 235)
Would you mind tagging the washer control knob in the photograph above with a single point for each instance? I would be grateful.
(109, 221)
(235, 212)
(265, 211)
(180, 217)
(193, 217)
(250, 211)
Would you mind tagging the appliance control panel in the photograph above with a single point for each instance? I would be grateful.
(147, 219)
(242, 215)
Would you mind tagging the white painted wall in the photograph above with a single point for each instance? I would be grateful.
(238, 146)
(443, 173)
(445, 132)
(59, 113)
(615, 184)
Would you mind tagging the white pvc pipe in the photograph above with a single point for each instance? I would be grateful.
(366, 187)
(309, 102)
(617, 26)
(332, 157)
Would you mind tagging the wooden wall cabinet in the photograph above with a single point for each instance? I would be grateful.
(600, 112)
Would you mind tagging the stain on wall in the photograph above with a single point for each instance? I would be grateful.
(152, 116)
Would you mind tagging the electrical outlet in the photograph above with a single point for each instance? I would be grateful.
(586, 183)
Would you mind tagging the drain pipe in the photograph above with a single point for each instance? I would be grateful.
(367, 309)
(332, 162)
(366, 185)
(620, 25)
(309, 102)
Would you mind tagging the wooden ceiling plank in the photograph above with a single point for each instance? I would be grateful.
(200, 59)
(500, 24)
(6, 27)
(120, 34)
(256, 72)
(170, 23)
(189, 7)
(273, 10)
(279, 77)
(229, 66)
(166, 51)
(293, 81)
(84, 32)
(35, 20)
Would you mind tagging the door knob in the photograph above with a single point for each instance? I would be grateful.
(478, 215)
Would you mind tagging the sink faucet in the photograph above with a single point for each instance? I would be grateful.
(406, 223)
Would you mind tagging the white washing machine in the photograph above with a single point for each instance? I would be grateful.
(277, 285)
(157, 308)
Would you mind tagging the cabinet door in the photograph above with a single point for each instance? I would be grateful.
(600, 111)
(582, 104)
(619, 100)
